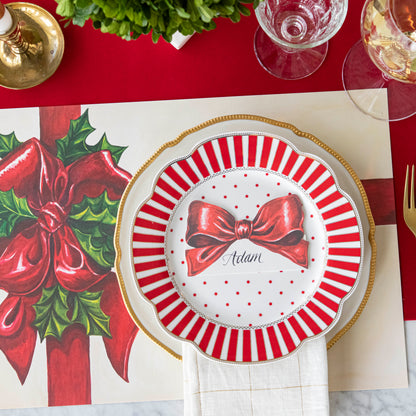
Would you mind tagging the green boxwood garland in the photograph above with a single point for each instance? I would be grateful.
(131, 18)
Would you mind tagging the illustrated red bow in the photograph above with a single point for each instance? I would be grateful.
(277, 227)
(43, 251)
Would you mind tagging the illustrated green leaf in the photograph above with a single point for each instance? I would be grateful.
(100, 209)
(8, 142)
(51, 312)
(12, 211)
(73, 145)
(103, 144)
(87, 311)
(96, 239)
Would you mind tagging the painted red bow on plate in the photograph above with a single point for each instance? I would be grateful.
(277, 226)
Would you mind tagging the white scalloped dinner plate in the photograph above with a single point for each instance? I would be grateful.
(243, 241)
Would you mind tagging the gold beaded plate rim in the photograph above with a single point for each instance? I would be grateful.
(267, 121)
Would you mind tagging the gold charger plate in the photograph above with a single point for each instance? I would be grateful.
(142, 182)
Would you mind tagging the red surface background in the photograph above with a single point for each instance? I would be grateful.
(102, 68)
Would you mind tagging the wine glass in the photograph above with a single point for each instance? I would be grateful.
(385, 58)
(291, 42)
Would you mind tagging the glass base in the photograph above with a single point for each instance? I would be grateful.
(366, 85)
(287, 63)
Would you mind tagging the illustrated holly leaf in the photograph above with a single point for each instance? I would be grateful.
(51, 312)
(96, 239)
(104, 144)
(73, 145)
(87, 311)
(8, 142)
(12, 211)
(100, 209)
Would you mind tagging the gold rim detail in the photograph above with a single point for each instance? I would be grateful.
(216, 120)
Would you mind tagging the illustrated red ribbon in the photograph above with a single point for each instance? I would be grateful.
(277, 227)
(44, 251)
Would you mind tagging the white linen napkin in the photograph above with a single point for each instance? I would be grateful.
(295, 385)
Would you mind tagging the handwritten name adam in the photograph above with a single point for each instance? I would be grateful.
(235, 258)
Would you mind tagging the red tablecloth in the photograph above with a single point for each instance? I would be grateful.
(99, 68)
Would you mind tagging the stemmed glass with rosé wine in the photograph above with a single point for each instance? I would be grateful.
(385, 58)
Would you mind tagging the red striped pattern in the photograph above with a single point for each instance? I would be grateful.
(151, 294)
(207, 336)
(349, 281)
(209, 149)
(246, 345)
(314, 176)
(196, 157)
(333, 290)
(298, 329)
(230, 343)
(154, 278)
(265, 154)
(238, 150)
(149, 265)
(277, 352)
(148, 238)
(232, 348)
(327, 183)
(343, 238)
(177, 178)
(183, 323)
(219, 342)
(344, 251)
(184, 165)
(148, 209)
(252, 150)
(173, 314)
(290, 163)
(225, 153)
(261, 348)
(195, 329)
(153, 225)
(329, 200)
(319, 312)
(344, 265)
(337, 211)
(163, 304)
(327, 302)
(337, 225)
(286, 337)
(163, 201)
(302, 169)
(148, 251)
(312, 325)
(281, 148)
(168, 189)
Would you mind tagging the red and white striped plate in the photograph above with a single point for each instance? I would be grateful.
(246, 247)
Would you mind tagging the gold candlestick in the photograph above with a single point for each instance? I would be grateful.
(31, 50)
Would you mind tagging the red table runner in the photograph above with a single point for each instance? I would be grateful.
(99, 68)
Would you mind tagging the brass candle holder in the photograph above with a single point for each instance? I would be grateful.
(31, 50)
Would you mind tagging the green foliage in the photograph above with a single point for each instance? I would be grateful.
(55, 304)
(74, 145)
(96, 239)
(8, 142)
(12, 211)
(100, 209)
(131, 18)
(87, 311)
(93, 221)
(52, 312)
